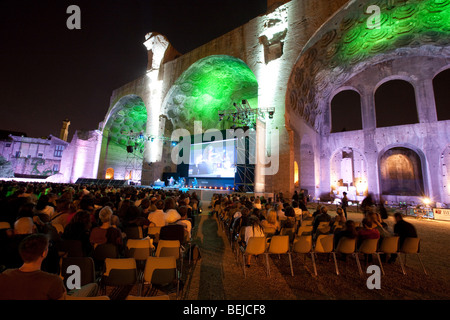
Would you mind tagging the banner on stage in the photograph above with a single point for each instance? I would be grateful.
(442, 214)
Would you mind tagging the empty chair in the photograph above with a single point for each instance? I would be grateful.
(255, 246)
(160, 273)
(4, 225)
(305, 230)
(303, 245)
(140, 250)
(167, 248)
(389, 245)
(411, 246)
(279, 245)
(324, 244)
(104, 251)
(119, 273)
(369, 247)
(348, 246)
(86, 265)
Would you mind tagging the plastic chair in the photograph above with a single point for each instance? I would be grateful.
(167, 248)
(279, 245)
(290, 232)
(4, 225)
(411, 246)
(119, 273)
(389, 245)
(160, 273)
(368, 246)
(153, 232)
(348, 246)
(86, 265)
(59, 227)
(104, 251)
(303, 245)
(305, 230)
(255, 247)
(140, 250)
(269, 231)
(324, 244)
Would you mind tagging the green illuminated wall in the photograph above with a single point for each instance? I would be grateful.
(128, 115)
(208, 86)
(346, 45)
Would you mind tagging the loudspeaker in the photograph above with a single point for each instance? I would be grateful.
(130, 149)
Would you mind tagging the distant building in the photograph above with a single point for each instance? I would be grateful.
(35, 158)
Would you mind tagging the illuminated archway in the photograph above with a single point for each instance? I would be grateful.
(124, 138)
(208, 86)
(109, 174)
(401, 173)
(296, 182)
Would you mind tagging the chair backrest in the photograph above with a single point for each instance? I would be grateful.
(346, 245)
(368, 246)
(68, 297)
(168, 248)
(163, 297)
(119, 272)
(324, 243)
(59, 227)
(160, 270)
(303, 244)
(134, 232)
(269, 231)
(389, 244)
(279, 244)
(307, 222)
(154, 232)
(172, 232)
(410, 245)
(104, 251)
(290, 232)
(304, 230)
(139, 249)
(256, 245)
(73, 248)
(323, 224)
(86, 265)
(5, 225)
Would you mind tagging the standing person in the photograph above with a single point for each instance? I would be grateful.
(29, 282)
(344, 204)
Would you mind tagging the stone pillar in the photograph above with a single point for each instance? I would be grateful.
(426, 105)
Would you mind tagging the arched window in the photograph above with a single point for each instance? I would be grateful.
(395, 104)
(295, 173)
(442, 95)
(346, 111)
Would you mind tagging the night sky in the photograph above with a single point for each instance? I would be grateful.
(49, 73)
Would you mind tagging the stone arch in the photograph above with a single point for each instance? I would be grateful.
(402, 171)
(208, 86)
(345, 46)
(394, 96)
(348, 172)
(442, 94)
(124, 138)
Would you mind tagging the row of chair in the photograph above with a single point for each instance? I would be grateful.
(324, 244)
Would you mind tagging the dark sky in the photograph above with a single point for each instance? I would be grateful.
(49, 73)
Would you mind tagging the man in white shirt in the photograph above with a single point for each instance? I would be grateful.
(157, 217)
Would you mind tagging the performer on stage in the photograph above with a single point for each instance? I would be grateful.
(194, 183)
(171, 181)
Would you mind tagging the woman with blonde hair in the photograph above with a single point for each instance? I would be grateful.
(271, 220)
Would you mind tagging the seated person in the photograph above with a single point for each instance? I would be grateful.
(106, 233)
(367, 232)
(157, 218)
(185, 222)
(322, 217)
(271, 221)
(28, 282)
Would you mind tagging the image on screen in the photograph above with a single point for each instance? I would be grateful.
(215, 159)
